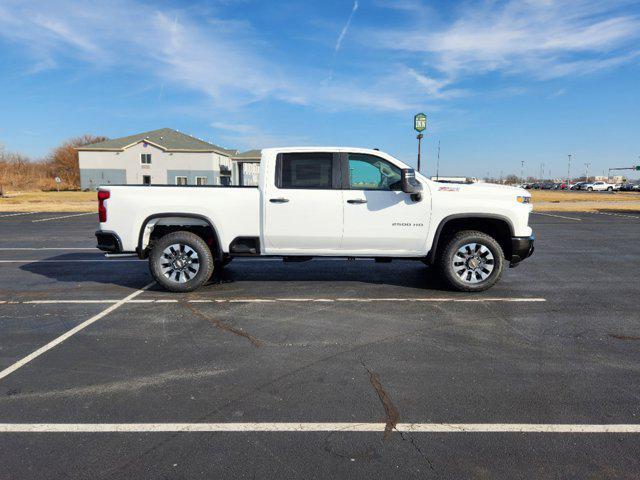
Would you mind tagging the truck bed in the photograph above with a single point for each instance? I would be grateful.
(233, 210)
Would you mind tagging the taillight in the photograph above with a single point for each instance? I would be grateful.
(102, 209)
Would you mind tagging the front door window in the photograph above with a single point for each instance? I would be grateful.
(367, 172)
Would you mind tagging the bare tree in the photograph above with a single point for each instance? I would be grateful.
(63, 160)
(511, 179)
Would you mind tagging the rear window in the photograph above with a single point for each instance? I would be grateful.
(305, 170)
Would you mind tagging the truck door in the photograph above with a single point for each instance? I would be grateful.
(379, 218)
(303, 206)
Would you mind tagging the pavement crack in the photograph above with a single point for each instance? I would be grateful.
(225, 326)
(390, 409)
(623, 337)
(406, 437)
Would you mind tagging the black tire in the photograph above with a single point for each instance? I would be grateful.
(609, 189)
(493, 263)
(590, 189)
(187, 279)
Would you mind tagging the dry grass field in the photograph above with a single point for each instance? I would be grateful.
(543, 201)
(560, 201)
(49, 202)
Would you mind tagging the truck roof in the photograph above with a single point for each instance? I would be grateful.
(321, 148)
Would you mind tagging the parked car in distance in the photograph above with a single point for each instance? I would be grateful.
(600, 187)
(579, 185)
(320, 202)
(630, 187)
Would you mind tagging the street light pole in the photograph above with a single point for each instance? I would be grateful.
(586, 178)
(522, 171)
(569, 173)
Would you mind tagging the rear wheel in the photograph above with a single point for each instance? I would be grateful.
(590, 189)
(610, 189)
(471, 261)
(181, 261)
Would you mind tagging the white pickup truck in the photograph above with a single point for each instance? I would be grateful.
(600, 187)
(320, 202)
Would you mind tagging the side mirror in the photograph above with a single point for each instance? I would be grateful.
(411, 185)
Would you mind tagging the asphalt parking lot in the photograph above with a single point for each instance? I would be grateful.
(320, 369)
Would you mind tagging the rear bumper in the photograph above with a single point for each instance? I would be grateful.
(108, 241)
(521, 248)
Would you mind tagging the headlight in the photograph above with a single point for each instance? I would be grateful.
(523, 199)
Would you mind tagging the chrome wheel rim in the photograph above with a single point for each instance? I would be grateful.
(473, 263)
(179, 262)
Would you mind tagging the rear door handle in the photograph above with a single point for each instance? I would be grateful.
(357, 200)
(279, 200)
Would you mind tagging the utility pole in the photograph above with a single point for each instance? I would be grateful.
(522, 170)
(569, 173)
(586, 177)
(438, 163)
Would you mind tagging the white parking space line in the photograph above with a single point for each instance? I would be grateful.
(72, 260)
(316, 427)
(557, 216)
(282, 300)
(44, 248)
(64, 216)
(624, 215)
(22, 362)
(16, 214)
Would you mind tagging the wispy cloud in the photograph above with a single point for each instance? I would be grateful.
(233, 65)
(233, 127)
(345, 29)
(540, 38)
(225, 60)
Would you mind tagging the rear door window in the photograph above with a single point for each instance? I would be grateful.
(304, 170)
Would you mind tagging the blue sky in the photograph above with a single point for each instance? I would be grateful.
(501, 81)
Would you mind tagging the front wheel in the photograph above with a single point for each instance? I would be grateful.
(471, 261)
(181, 261)
(609, 189)
(590, 189)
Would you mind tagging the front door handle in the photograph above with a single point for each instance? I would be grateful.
(279, 200)
(357, 200)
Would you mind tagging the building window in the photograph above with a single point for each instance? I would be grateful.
(146, 179)
(145, 158)
(182, 181)
(201, 181)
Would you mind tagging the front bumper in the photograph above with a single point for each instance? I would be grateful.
(108, 241)
(521, 248)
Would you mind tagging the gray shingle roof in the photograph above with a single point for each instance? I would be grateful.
(167, 138)
(248, 155)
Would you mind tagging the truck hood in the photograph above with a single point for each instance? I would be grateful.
(481, 189)
(497, 189)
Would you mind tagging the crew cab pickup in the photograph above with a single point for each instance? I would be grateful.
(320, 202)
(601, 187)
